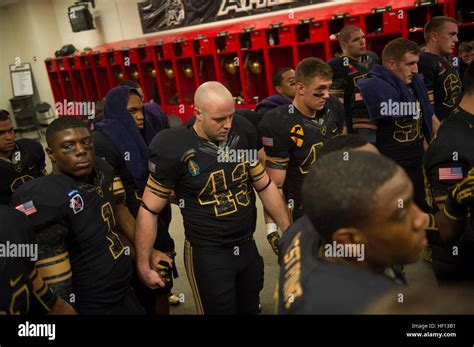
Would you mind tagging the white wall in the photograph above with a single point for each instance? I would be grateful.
(27, 32)
(37, 28)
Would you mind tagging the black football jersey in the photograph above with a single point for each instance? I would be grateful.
(401, 139)
(105, 149)
(346, 73)
(79, 217)
(22, 289)
(442, 80)
(292, 142)
(309, 284)
(27, 162)
(447, 161)
(212, 181)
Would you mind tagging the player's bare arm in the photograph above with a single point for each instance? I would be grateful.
(145, 235)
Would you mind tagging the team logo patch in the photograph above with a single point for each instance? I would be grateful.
(297, 134)
(76, 202)
(352, 69)
(450, 173)
(441, 68)
(193, 168)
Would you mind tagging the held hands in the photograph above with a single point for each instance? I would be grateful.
(156, 273)
(273, 236)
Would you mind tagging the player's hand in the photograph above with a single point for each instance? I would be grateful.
(150, 278)
(157, 256)
(460, 197)
(274, 239)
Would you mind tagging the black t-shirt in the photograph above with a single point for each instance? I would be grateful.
(442, 80)
(81, 216)
(22, 289)
(447, 161)
(311, 285)
(212, 188)
(27, 162)
(292, 142)
(346, 73)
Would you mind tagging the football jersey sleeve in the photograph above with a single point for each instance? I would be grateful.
(46, 205)
(162, 165)
(338, 78)
(105, 149)
(428, 68)
(276, 137)
(36, 151)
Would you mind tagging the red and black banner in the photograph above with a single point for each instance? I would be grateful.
(159, 15)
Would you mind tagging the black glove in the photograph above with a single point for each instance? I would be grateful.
(274, 239)
(164, 270)
(460, 197)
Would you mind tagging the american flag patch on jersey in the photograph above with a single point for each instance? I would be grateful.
(27, 208)
(267, 141)
(450, 173)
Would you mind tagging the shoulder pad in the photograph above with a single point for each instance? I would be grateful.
(48, 191)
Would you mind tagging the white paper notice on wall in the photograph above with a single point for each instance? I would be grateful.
(22, 80)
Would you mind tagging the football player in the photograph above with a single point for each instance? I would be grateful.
(211, 165)
(122, 139)
(283, 80)
(353, 64)
(397, 101)
(293, 134)
(20, 161)
(438, 67)
(447, 162)
(22, 289)
(74, 213)
(359, 233)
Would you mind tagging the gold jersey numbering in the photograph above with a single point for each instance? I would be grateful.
(216, 192)
(410, 130)
(116, 247)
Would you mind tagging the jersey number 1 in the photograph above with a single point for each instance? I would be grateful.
(116, 247)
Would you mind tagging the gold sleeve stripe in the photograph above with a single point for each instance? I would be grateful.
(432, 223)
(117, 185)
(431, 95)
(257, 172)
(154, 184)
(58, 258)
(450, 216)
(55, 269)
(276, 160)
(118, 192)
(441, 198)
(59, 278)
(158, 193)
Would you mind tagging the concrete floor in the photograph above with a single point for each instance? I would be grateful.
(417, 274)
